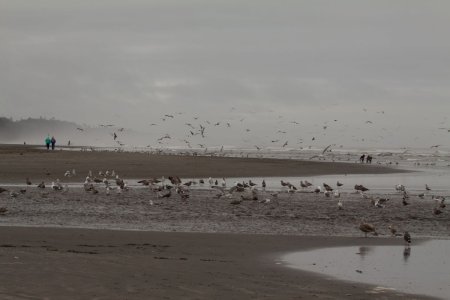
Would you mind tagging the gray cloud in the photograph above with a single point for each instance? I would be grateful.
(313, 61)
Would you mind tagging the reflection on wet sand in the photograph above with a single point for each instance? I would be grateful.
(385, 266)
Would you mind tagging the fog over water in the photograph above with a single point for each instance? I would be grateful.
(310, 73)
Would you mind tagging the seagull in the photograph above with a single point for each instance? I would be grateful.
(367, 228)
(400, 188)
(224, 183)
(407, 238)
(327, 187)
(437, 211)
(340, 205)
(427, 187)
(360, 187)
(336, 194)
(393, 230)
(326, 149)
(404, 201)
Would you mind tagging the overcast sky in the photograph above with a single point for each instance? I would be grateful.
(269, 63)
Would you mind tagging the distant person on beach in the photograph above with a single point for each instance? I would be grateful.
(361, 159)
(369, 159)
(48, 141)
(53, 141)
(68, 143)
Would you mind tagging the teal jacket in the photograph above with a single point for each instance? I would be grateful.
(48, 140)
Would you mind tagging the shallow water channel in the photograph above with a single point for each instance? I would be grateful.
(422, 269)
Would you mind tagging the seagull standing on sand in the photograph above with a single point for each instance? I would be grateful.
(407, 238)
(393, 230)
(367, 228)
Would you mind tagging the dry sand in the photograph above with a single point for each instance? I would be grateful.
(40, 262)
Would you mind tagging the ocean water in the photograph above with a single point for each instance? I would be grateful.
(421, 269)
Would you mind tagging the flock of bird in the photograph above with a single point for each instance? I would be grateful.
(195, 131)
(236, 193)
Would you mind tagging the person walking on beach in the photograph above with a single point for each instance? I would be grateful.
(53, 141)
(48, 141)
(361, 159)
(369, 159)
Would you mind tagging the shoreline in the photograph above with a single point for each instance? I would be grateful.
(110, 264)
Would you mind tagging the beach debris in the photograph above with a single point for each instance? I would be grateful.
(28, 181)
(3, 210)
(41, 185)
(427, 187)
(235, 201)
(13, 194)
(339, 184)
(3, 190)
(359, 271)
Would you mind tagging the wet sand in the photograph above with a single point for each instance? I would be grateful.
(49, 263)
(19, 162)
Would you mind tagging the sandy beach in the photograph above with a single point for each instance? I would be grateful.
(18, 162)
(49, 263)
(201, 248)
